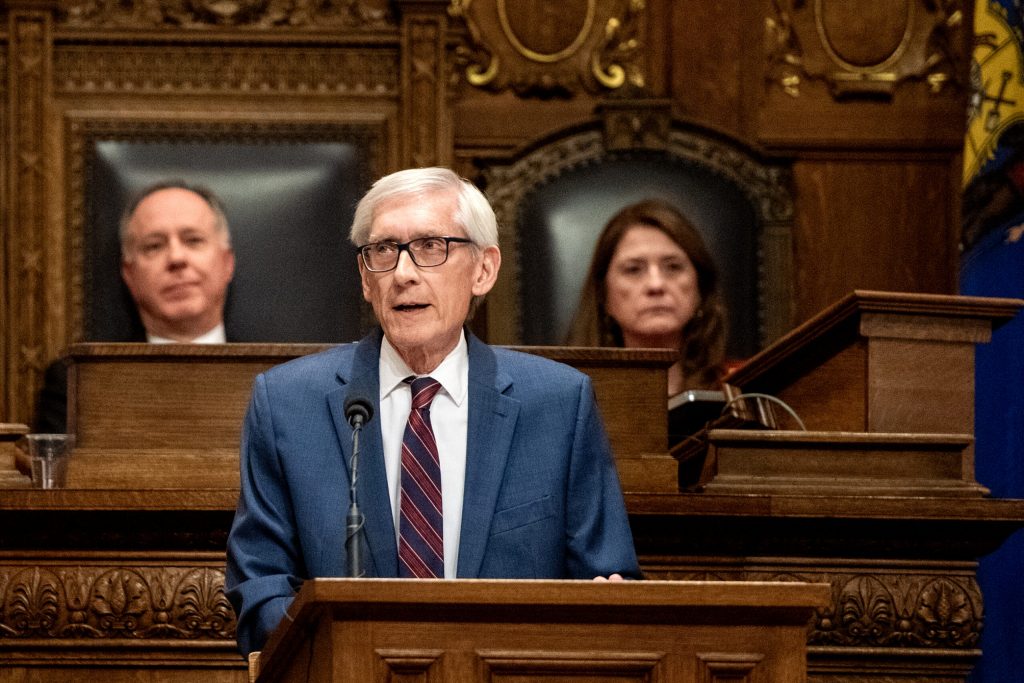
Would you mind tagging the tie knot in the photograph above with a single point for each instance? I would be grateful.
(423, 391)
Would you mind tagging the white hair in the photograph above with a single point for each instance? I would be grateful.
(473, 213)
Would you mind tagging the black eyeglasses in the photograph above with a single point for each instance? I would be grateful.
(425, 252)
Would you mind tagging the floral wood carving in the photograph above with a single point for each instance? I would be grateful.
(207, 14)
(865, 49)
(224, 70)
(884, 609)
(114, 602)
(536, 47)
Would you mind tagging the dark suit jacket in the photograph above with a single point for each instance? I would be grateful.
(541, 497)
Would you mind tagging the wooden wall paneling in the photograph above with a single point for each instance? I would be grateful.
(30, 36)
(706, 76)
(872, 223)
(887, 73)
(6, 254)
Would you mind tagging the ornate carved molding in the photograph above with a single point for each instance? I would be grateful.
(142, 70)
(865, 49)
(880, 608)
(767, 187)
(424, 83)
(210, 14)
(551, 48)
(114, 602)
(29, 44)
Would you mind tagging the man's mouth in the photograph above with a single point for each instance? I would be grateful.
(405, 308)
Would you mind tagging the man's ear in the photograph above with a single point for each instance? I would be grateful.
(487, 270)
(230, 256)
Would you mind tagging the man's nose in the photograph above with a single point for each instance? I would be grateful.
(405, 269)
(176, 253)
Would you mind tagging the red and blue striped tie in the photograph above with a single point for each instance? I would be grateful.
(420, 528)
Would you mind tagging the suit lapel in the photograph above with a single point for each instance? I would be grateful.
(492, 420)
(372, 486)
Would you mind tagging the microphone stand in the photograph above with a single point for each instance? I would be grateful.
(354, 520)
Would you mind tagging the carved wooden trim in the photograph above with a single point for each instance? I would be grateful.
(29, 42)
(877, 607)
(824, 41)
(407, 665)
(82, 131)
(728, 667)
(261, 15)
(425, 119)
(557, 666)
(139, 70)
(589, 45)
(766, 186)
(97, 601)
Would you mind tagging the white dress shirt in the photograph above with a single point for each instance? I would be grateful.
(214, 336)
(449, 418)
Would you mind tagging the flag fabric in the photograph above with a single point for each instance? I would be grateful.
(993, 265)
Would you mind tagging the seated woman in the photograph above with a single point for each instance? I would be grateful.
(652, 284)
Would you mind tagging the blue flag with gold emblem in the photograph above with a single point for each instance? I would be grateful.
(992, 264)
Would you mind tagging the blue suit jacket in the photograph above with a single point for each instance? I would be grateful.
(541, 500)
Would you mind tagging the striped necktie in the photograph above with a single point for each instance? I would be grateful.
(420, 529)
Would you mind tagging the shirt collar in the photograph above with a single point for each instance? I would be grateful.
(452, 373)
(214, 336)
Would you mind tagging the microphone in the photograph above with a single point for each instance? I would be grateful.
(358, 411)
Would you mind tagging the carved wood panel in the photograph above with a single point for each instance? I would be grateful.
(542, 48)
(27, 168)
(860, 73)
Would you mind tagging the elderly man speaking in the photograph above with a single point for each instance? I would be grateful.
(479, 462)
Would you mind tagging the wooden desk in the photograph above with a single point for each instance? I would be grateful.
(487, 630)
(170, 416)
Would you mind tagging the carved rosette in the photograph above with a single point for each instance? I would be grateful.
(883, 609)
(208, 14)
(544, 48)
(114, 602)
(865, 48)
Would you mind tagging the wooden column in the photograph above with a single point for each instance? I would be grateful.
(426, 121)
(22, 317)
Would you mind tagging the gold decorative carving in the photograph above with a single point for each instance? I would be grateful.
(864, 49)
(537, 47)
(883, 608)
(142, 70)
(208, 14)
(114, 602)
(616, 63)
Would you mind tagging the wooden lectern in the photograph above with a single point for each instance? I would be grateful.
(488, 630)
(883, 381)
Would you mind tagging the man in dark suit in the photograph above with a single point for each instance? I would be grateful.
(518, 479)
(177, 262)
